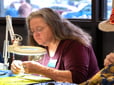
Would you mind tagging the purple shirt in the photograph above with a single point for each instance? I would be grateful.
(79, 59)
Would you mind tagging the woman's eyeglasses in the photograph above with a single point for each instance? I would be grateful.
(37, 30)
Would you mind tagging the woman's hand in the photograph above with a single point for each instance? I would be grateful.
(31, 66)
(17, 67)
(109, 59)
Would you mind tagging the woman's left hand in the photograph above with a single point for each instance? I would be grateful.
(31, 66)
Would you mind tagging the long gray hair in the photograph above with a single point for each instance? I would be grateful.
(61, 28)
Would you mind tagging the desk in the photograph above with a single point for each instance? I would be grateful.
(7, 78)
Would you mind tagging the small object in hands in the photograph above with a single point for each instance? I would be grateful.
(18, 63)
(24, 66)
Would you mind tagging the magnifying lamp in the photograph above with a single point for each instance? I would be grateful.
(108, 25)
(15, 48)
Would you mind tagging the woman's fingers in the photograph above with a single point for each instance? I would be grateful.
(17, 66)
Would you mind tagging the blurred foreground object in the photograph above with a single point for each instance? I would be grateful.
(104, 77)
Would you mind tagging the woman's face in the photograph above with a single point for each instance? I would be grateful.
(41, 32)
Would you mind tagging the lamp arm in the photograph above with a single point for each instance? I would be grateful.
(14, 38)
(9, 27)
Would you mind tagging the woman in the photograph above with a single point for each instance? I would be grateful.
(69, 58)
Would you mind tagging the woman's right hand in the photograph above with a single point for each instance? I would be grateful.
(17, 67)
